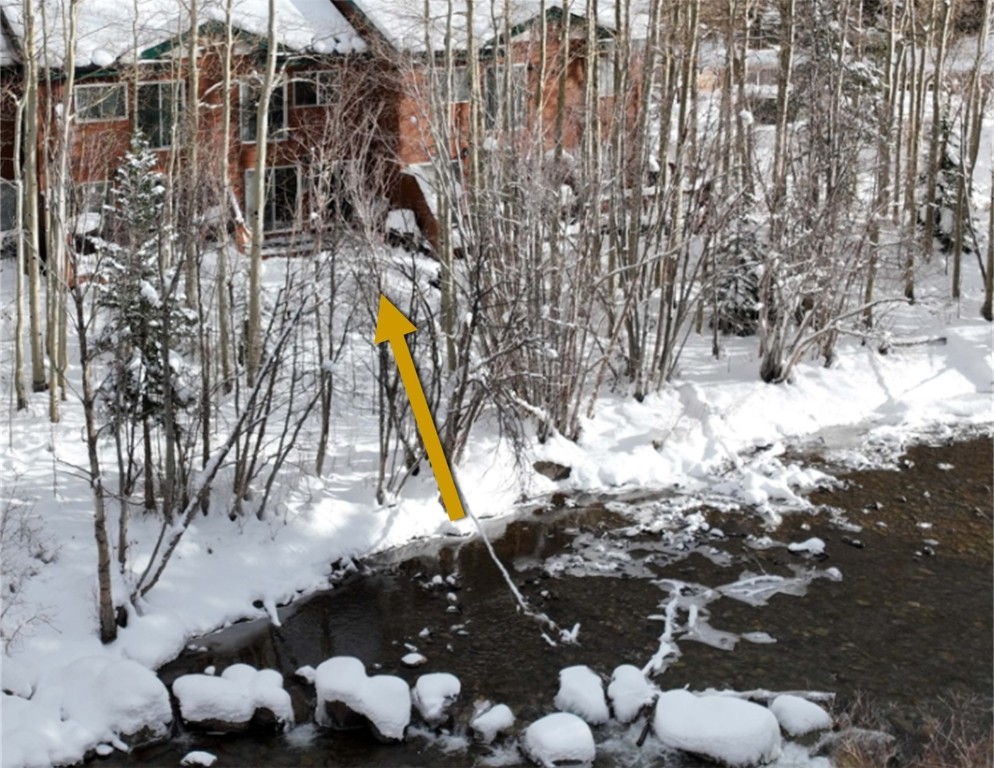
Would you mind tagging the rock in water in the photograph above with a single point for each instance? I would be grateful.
(798, 716)
(493, 721)
(559, 739)
(629, 691)
(582, 693)
(433, 694)
(722, 728)
(240, 699)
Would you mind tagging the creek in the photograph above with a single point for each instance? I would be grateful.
(908, 627)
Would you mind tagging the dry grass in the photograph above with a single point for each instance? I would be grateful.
(962, 737)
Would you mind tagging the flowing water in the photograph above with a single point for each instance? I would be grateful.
(908, 625)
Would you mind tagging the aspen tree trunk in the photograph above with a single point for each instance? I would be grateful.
(30, 196)
(917, 97)
(936, 144)
(19, 391)
(883, 196)
(56, 209)
(253, 342)
(987, 311)
(105, 597)
(223, 308)
(787, 12)
(972, 129)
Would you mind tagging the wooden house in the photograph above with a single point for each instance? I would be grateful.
(355, 110)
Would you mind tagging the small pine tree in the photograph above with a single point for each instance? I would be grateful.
(139, 304)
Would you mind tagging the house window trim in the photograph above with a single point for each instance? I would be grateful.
(495, 122)
(280, 135)
(329, 89)
(250, 210)
(80, 114)
(461, 76)
(180, 90)
(605, 71)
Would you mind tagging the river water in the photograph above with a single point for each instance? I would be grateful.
(908, 627)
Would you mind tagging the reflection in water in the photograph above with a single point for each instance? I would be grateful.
(902, 626)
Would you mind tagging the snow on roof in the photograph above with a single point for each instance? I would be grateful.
(407, 26)
(8, 53)
(111, 31)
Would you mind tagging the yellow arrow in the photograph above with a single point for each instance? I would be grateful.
(392, 326)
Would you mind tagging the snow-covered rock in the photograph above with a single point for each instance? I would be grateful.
(559, 739)
(386, 702)
(629, 691)
(413, 660)
(798, 716)
(814, 546)
(721, 728)
(495, 720)
(582, 693)
(198, 757)
(434, 693)
(344, 691)
(240, 697)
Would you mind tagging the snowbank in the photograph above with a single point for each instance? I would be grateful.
(230, 701)
(723, 728)
(82, 705)
(582, 693)
(559, 738)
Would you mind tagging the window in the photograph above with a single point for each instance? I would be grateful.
(459, 91)
(159, 105)
(249, 100)
(103, 101)
(93, 204)
(281, 198)
(316, 89)
(8, 206)
(503, 108)
(605, 72)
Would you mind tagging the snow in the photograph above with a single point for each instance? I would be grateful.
(698, 437)
(814, 546)
(303, 25)
(560, 736)
(198, 757)
(582, 693)
(402, 220)
(234, 696)
(494, 720)
(413, 659)
(434, 693)
(80, 705)
(384, 699)
(404, 24)
(722, 728)
(629, 690)
(799, 716)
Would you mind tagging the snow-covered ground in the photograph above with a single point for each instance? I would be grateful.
(697, 436)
